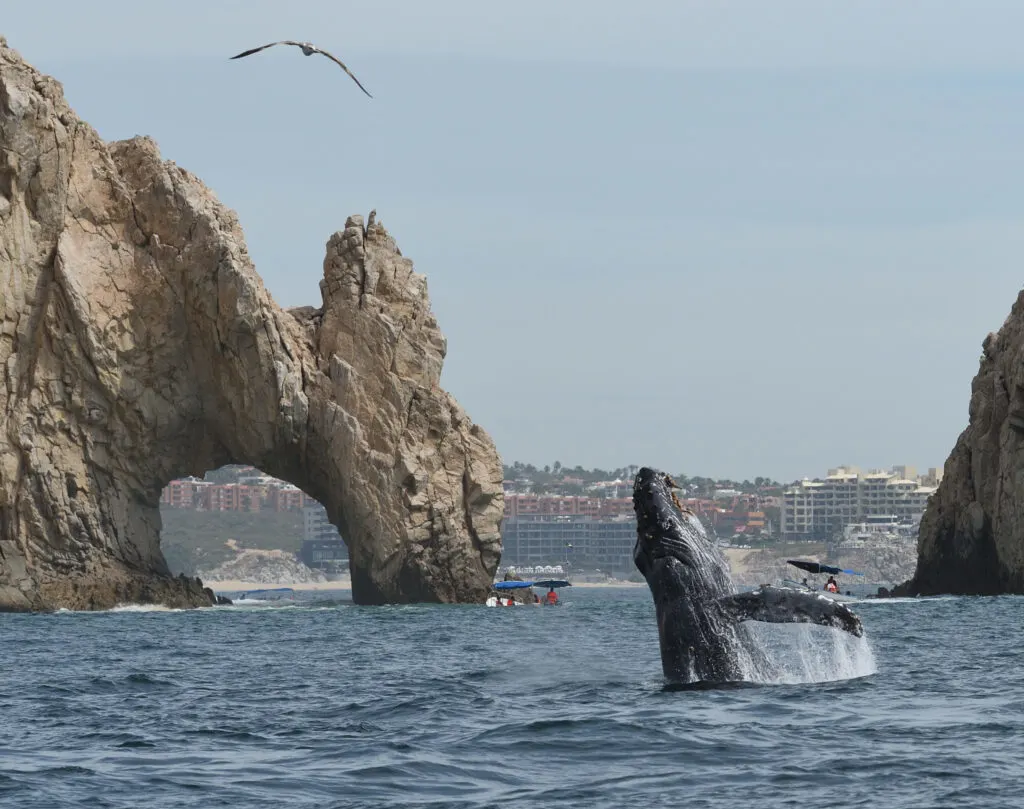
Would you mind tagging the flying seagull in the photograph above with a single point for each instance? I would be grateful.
(308, 49)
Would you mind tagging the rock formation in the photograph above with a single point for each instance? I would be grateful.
(264, 567)
(882, 564)
(972, 533)
(138, 344)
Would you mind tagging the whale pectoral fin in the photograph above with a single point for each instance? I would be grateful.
(778, 605)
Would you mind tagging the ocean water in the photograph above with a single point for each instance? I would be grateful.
(306, 705)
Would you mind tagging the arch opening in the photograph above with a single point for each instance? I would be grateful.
(236, 525)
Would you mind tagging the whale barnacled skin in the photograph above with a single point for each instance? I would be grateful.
(700, 617)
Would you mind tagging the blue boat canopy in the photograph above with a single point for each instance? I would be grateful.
(817, 567)
(552, 583)
(512, 585)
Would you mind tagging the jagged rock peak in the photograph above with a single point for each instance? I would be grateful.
(138, 344)
(972, 533)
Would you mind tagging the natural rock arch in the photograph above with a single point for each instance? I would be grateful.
(139, 344)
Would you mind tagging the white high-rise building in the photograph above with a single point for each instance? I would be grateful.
(316, 526)
(821, 508)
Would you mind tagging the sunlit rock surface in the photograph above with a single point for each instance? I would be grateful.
(138, 345)
(972, 534)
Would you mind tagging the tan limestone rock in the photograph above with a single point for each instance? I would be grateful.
(138, 344)
(972, 533)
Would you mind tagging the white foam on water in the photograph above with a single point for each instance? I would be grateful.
(869, 602)
(807, 653)
(143, 608)
(266, 605)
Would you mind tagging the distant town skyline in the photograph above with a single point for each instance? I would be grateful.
(909, 471)
(738, 238)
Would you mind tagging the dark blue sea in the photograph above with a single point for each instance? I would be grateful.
(331, 705)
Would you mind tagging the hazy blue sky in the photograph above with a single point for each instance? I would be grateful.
(727, 238)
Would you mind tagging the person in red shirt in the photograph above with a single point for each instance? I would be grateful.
(551, 597)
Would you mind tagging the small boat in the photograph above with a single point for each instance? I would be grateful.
(818, 567)
(552, 585)
(493, 601)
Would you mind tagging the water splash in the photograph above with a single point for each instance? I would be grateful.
(805, 653)
(143, 608)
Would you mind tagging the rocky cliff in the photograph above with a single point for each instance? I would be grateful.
(138, 344)
(972, 533)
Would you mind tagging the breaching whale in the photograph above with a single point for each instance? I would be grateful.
(699, 614)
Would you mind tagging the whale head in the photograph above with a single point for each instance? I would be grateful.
(671, 542)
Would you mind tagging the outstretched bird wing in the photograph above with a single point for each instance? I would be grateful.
(335, 59)
(251, 51)
(312, 47)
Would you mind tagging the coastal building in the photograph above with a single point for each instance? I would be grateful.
(231, 497)
(316, 525)
(322, 545)
(575, 540)
(819, 509)
(879, 531)
(528, 504)
(536, 572)
(254, 492)
(599, 532)
(286, 497)
(183, 493)
(330, 555)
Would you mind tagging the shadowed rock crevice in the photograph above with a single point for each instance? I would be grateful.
(972, 533)
(139, 345)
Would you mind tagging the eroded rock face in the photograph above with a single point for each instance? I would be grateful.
(972, 534)
(138, 344)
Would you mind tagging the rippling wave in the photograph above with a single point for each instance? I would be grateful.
(324, 704)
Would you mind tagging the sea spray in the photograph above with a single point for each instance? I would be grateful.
(806, 653)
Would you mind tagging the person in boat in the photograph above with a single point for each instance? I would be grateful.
(806, 584)
(832, 585)
(536, 599)
(552, 597)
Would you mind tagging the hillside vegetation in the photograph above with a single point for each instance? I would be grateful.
(194, 540)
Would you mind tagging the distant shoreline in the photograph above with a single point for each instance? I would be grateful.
(609, 584)
(237, 586)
